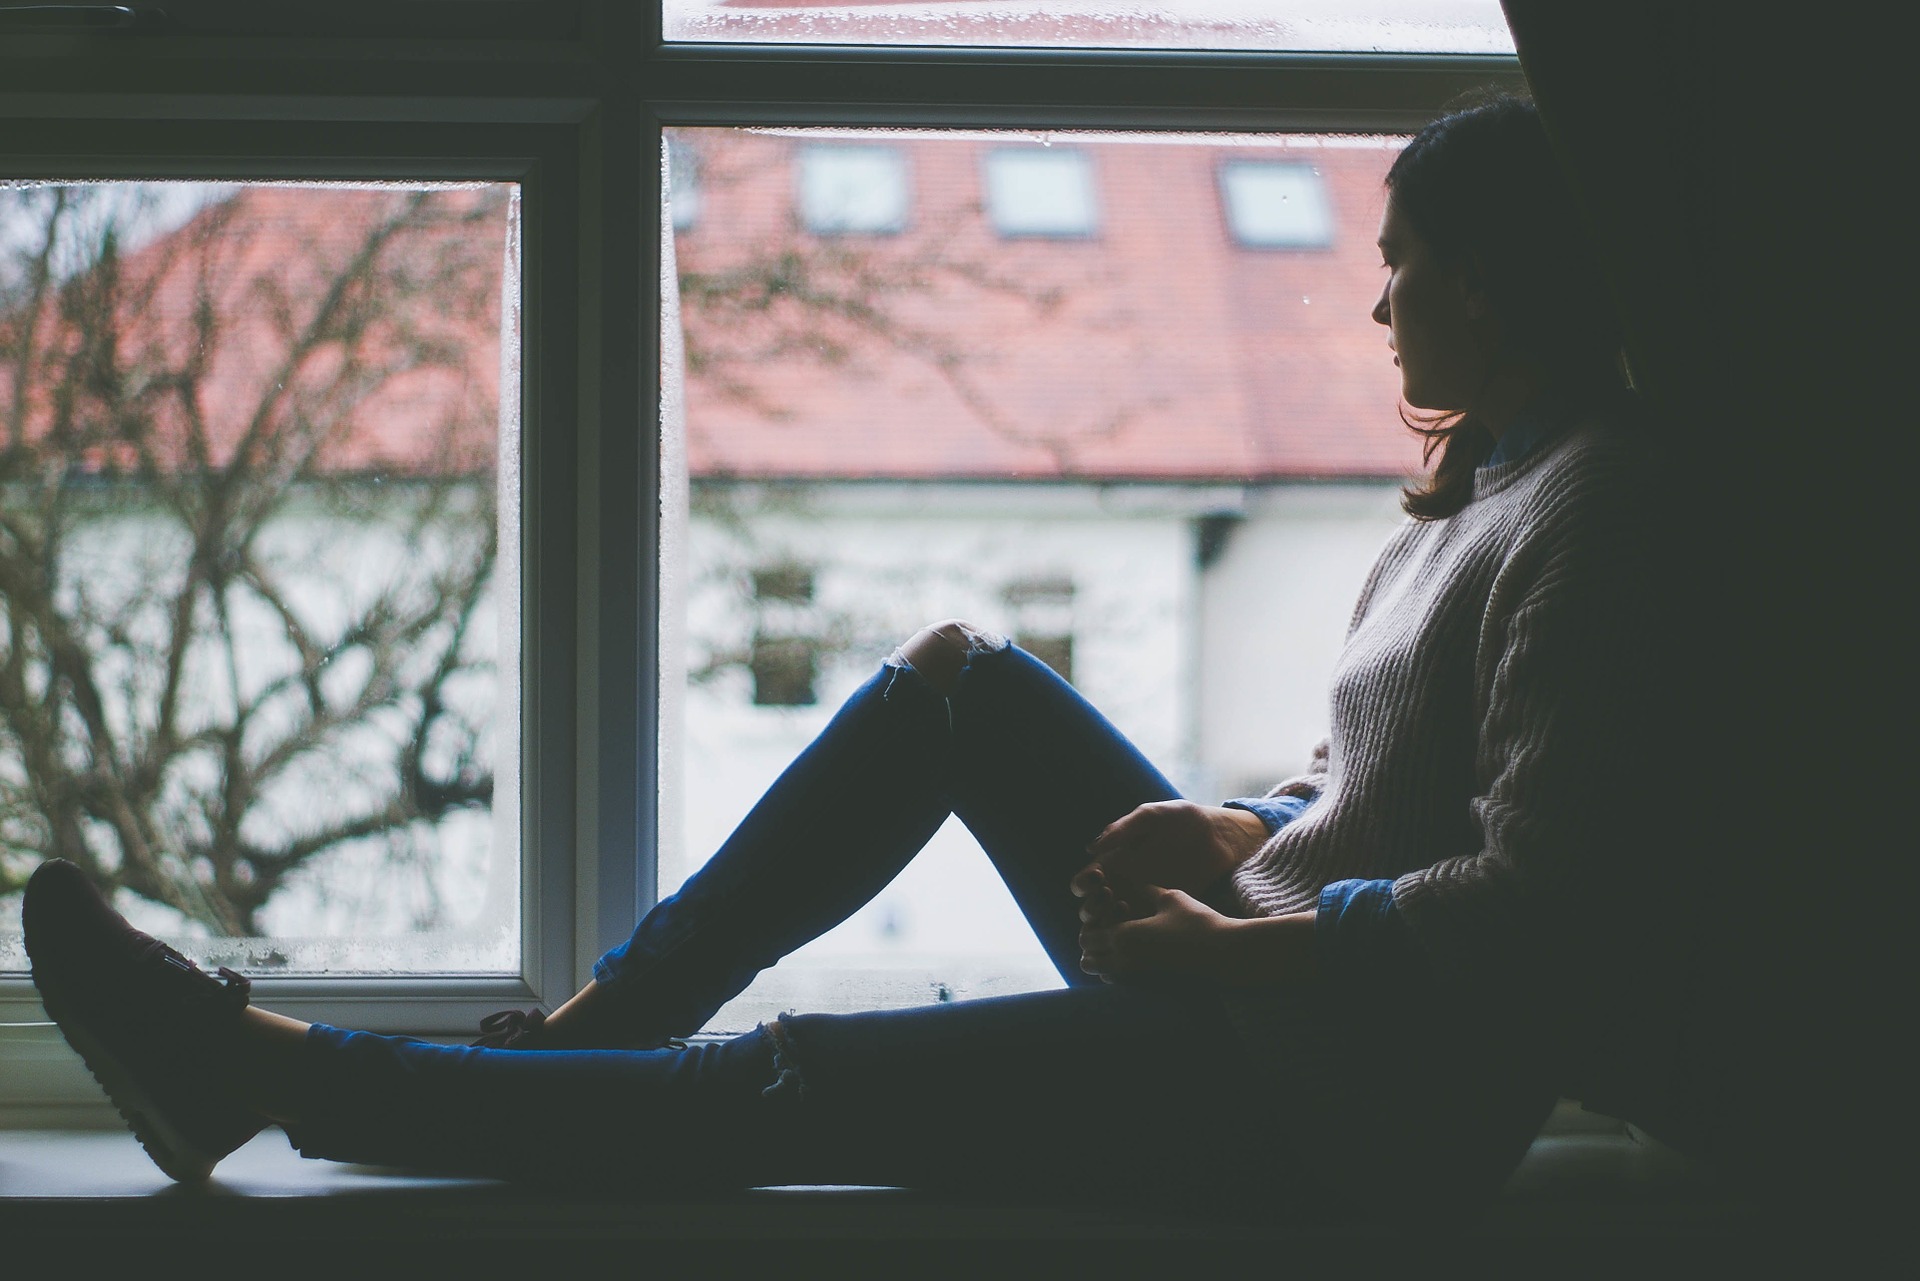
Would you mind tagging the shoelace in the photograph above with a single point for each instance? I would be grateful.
(505, 1029)
(229, 987)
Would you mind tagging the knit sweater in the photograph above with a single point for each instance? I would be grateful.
(1482, 713)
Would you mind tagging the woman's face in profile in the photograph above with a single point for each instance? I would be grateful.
(1433, 313)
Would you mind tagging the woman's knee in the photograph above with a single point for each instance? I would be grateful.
(939, 651)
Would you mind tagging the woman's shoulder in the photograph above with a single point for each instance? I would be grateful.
(1608, 455)
(1598, 513)
(1608, 431)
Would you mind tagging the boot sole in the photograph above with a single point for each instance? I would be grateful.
(166, 1144)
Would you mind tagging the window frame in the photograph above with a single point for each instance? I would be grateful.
(539, 160)
(575, 114)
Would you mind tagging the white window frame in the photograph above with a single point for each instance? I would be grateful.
(558, 940)
(573, 112)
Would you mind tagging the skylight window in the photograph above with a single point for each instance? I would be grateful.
(1276, 205)
(853, 190)
(1041, 192)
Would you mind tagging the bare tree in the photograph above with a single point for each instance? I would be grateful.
(247, 529)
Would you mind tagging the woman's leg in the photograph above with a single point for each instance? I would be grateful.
(1038, 772)
(957, 722)
(1091, 1092)
(836, 826)
(1140, 1091)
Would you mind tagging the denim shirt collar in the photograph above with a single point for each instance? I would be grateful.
(1536, 421)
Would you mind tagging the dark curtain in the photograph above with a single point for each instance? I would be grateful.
(1708, 169)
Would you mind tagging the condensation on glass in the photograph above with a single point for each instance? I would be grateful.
(1043, 382)
(1334, 26)
(259, 579)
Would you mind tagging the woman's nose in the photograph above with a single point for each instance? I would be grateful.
(1380, 313)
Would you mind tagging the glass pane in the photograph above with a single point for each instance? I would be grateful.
(1160, 458)
(259, 630)
(1302, 26)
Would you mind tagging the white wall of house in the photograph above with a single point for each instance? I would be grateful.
(424, 898)
(1274, 612)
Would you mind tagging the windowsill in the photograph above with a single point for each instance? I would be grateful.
(1589, 1186)
(68, 1166)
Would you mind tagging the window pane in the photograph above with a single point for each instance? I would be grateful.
(258, 584)
(1160, 461)
(1385, 26)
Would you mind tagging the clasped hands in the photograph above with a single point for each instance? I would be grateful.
(1139, 912)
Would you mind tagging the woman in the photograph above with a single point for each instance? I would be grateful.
(1345, 990)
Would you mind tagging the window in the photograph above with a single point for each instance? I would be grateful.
(337, 808)
(286, 747)
(785, 657)
(1276, 205)
(1034, 192)
(853, 190)
(566, 102)
(1043, 619)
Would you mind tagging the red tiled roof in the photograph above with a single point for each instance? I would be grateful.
(217, 344)
(1172, 353)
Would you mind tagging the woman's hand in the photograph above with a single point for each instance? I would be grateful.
(1164, 932)
(1175, 845)
(1170, 932)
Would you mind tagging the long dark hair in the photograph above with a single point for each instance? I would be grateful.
(1482, 185)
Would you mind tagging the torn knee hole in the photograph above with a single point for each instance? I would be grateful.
(941, 651)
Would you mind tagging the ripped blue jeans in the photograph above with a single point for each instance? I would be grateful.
(1100, 1089)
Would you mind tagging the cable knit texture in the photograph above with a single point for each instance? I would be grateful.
(1482, 709)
